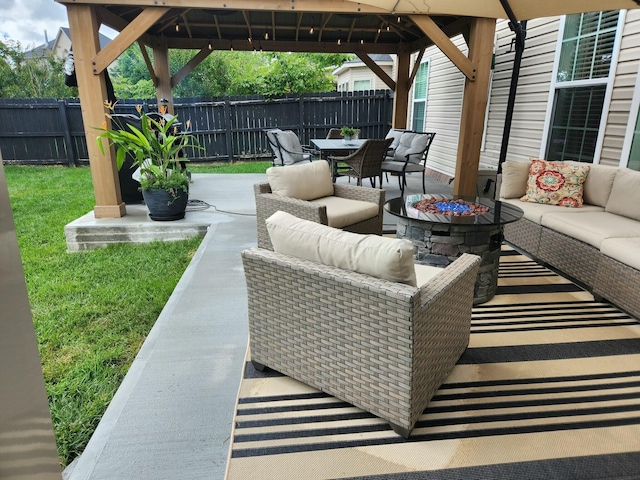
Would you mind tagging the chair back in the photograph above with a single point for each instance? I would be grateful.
(273, 144)
(334, 133)
(373, 156)
(290, 148)
(413, 147)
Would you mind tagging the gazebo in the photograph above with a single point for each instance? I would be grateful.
(325, 26)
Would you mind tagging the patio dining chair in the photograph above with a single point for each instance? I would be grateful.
(287, 149)
(366, 162)
(410, 156)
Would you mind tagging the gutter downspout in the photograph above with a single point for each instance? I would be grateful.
(520, 30)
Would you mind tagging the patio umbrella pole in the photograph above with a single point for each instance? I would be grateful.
(520, 30)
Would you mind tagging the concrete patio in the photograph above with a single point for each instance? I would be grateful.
(172, 416)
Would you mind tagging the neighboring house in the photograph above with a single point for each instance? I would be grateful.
(578, 94)
(354, 75)
(60, 46)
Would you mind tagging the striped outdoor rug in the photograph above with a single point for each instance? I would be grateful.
(549, 388)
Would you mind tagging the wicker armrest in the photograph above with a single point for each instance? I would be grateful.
(268, 203)
(365, 194)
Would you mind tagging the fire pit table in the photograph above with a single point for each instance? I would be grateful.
(443, 227)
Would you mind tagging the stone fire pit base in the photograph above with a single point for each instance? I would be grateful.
(440, 244)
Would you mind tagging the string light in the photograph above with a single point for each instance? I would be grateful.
(339, 37)
(361, 41)
(250, 40)
(388, 28)
(266, 35)
(398, 19)
(311, 31)
(210, 46)
(379, 30)
(177, 25)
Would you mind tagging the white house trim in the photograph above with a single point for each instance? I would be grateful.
(631, 124)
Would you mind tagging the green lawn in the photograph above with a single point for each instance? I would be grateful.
(92, 310)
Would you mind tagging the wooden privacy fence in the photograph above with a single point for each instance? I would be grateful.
(49, 131)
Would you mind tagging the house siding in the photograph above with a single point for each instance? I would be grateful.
(446, 86)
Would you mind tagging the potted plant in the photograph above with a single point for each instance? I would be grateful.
(156, 151)
(348, 133)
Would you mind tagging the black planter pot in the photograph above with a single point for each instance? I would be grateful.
(164, 205)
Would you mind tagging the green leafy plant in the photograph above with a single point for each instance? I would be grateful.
(155, 149)
(348, 132)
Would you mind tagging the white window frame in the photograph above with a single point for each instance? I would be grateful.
(555, 85)
(362, 81)
(631, 123)
(426, 98)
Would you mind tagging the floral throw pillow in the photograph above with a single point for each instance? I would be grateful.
(555, 183)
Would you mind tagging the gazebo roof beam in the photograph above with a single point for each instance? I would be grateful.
(247, 21)
(215, 19)
(325, 20)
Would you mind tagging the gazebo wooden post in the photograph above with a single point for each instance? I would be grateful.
(163, 75)
(474, 106)
(84, 26)
(401, 95)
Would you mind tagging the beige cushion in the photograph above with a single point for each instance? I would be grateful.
(597, 186)
(535, 211)
(555, 183)
(624, 250)
(381, 257)
(592, 227)
(305, 182)
(514, 179)
(424, 273)
(394, 133)
(342, 212)
(625, 194)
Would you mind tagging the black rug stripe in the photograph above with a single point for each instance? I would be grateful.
(550, 304)
(552, 317)
(240, 437)
(555, 351)
(551, 288)
(536, 380)
(478, 330)
(613, 467)
(456, 435)
(360, 415)
(280, 398)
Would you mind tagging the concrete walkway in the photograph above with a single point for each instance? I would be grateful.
(172, 416)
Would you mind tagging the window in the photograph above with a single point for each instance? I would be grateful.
(634, 154)
(359, 85)
(342, 87)
(420, 97)
(582, 78)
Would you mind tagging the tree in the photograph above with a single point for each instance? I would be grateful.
(230, 73)
(38, 77)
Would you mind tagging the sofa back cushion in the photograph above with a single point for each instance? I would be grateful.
(381, 257)
(625, 194)
(597, 186)
(411, 144)
(514, 179)
(555, 183)
(305, 182)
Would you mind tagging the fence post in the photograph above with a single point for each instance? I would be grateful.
(227, 116)
(301, 118)
(64, 122)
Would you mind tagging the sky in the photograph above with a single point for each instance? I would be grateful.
(25, 21)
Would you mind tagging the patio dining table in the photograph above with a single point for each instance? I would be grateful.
(329, 146)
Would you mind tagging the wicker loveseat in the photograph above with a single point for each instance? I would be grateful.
(308, 192)
(381, 345)
(597, 244)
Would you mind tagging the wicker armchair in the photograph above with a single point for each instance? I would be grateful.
(382, 346)
(267, 204)
(366, 162)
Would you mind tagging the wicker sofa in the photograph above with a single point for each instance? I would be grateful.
(598, 245)
(384, 345)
